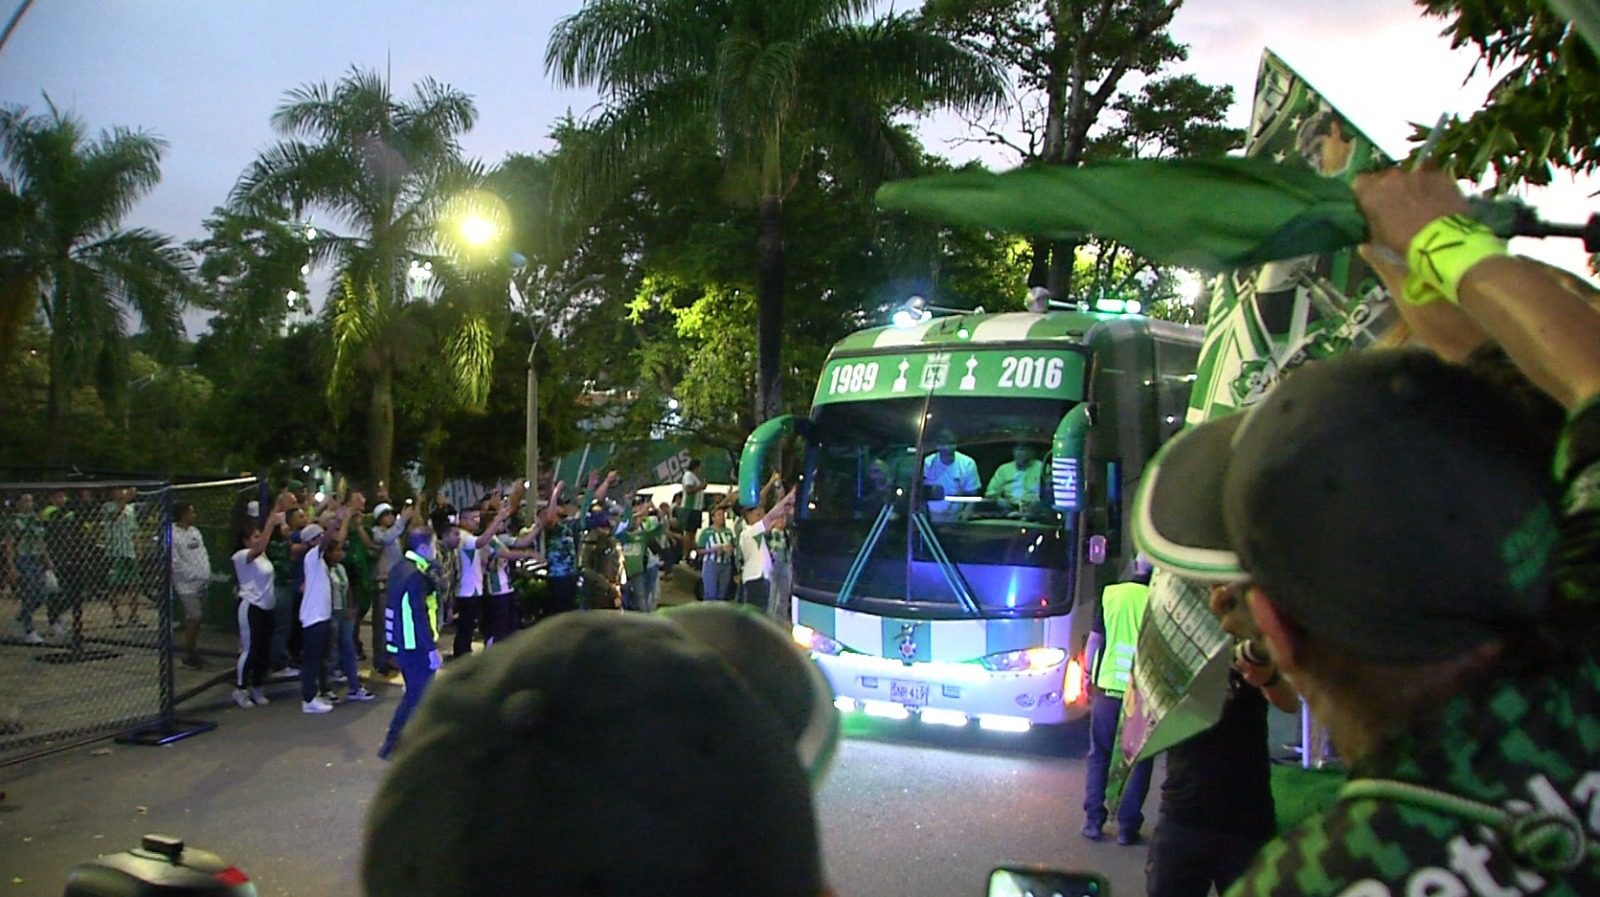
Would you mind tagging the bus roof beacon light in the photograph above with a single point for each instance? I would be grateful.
(912, 313)
(1038, 300)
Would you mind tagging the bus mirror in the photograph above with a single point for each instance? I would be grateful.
(758, 450)
(1068, 451)
(1097, 549)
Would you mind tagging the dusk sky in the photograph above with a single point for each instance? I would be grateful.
(205, 75)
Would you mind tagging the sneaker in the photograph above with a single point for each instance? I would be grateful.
(193, 663)
(1092, 832)
(329, 697)
(1129, 838)
(259, 696)
(242, 698)
(361, 694)
(338, 679)
(286, 673)
(316, 705)
(32, 637)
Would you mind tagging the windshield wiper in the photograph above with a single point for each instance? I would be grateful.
(859, 562)
(952, 573)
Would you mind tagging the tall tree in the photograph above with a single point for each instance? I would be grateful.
(386, 168)
(1069, 59)
(767, 84)
(64, 254)
(250, 264)
(1544, 112)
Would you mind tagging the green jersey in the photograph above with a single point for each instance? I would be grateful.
(27, 534)
(120, 525)
(1519, 740)
(635, 542)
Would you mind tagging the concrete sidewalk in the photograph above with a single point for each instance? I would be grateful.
(280, 793)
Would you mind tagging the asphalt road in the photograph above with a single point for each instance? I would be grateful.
(283, 795)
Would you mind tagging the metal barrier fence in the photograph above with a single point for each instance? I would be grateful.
(87, 605)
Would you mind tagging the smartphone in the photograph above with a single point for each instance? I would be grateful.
(1037, 881)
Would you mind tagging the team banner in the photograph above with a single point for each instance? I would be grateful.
(1263, 322)
(948, 371)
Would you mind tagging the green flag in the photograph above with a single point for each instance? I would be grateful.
(1210, 214)
(1262, 323)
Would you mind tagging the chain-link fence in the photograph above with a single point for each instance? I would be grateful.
(89, 608)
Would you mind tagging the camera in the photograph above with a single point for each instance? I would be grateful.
(1252, 652)
(160, 865)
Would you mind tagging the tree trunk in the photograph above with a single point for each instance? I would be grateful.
(1039, 267)
(380, 426)
(53, 396)
(769, 309)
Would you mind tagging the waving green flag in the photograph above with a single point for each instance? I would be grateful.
(1262, 322)
(1210, 214)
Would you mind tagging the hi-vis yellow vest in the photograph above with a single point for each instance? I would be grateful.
(1123, 608)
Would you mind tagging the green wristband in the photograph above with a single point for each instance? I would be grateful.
(1442, 253)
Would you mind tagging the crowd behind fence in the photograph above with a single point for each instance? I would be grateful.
(87, 643)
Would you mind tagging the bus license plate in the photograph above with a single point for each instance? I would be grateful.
(911, 694)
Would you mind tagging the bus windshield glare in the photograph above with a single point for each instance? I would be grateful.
(938, 503)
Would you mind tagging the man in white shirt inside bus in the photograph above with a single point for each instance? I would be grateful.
(953, 472)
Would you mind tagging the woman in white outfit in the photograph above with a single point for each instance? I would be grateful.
(253, 572)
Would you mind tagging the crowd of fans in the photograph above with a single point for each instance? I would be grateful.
(91, 550)
(309, 573)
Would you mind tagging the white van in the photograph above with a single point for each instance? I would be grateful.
(667, 493)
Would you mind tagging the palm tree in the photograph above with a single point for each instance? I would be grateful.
(64, 254)
(767, 84)
(385, 168)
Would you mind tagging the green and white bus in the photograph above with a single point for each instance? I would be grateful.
(922, 586)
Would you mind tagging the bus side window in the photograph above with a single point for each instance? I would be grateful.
(1113, 529)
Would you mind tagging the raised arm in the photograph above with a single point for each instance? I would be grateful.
(605, 485)
(1544, 325)
(258, 545)
(550, 513)
(779, 509)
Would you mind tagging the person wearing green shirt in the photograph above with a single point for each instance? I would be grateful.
(716, 556)
(1015, 484)
(360, 554)
(27, 559)
(122, 580)
(640, 557)
(780, 544)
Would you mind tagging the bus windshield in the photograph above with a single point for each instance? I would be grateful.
(940, 502)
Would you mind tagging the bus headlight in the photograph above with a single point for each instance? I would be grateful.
(1024, 660)
(812, 640)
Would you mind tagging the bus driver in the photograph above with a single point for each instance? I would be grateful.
(1015, 484)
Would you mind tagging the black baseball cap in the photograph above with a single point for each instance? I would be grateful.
(1387, 501)
(442, 518)
(612, 754)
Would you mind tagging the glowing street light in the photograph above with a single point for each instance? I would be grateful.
(477, 230)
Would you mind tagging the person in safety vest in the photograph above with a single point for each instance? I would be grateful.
(1111, 651)
(411, 618)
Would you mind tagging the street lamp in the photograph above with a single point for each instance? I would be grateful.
(537, 325)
